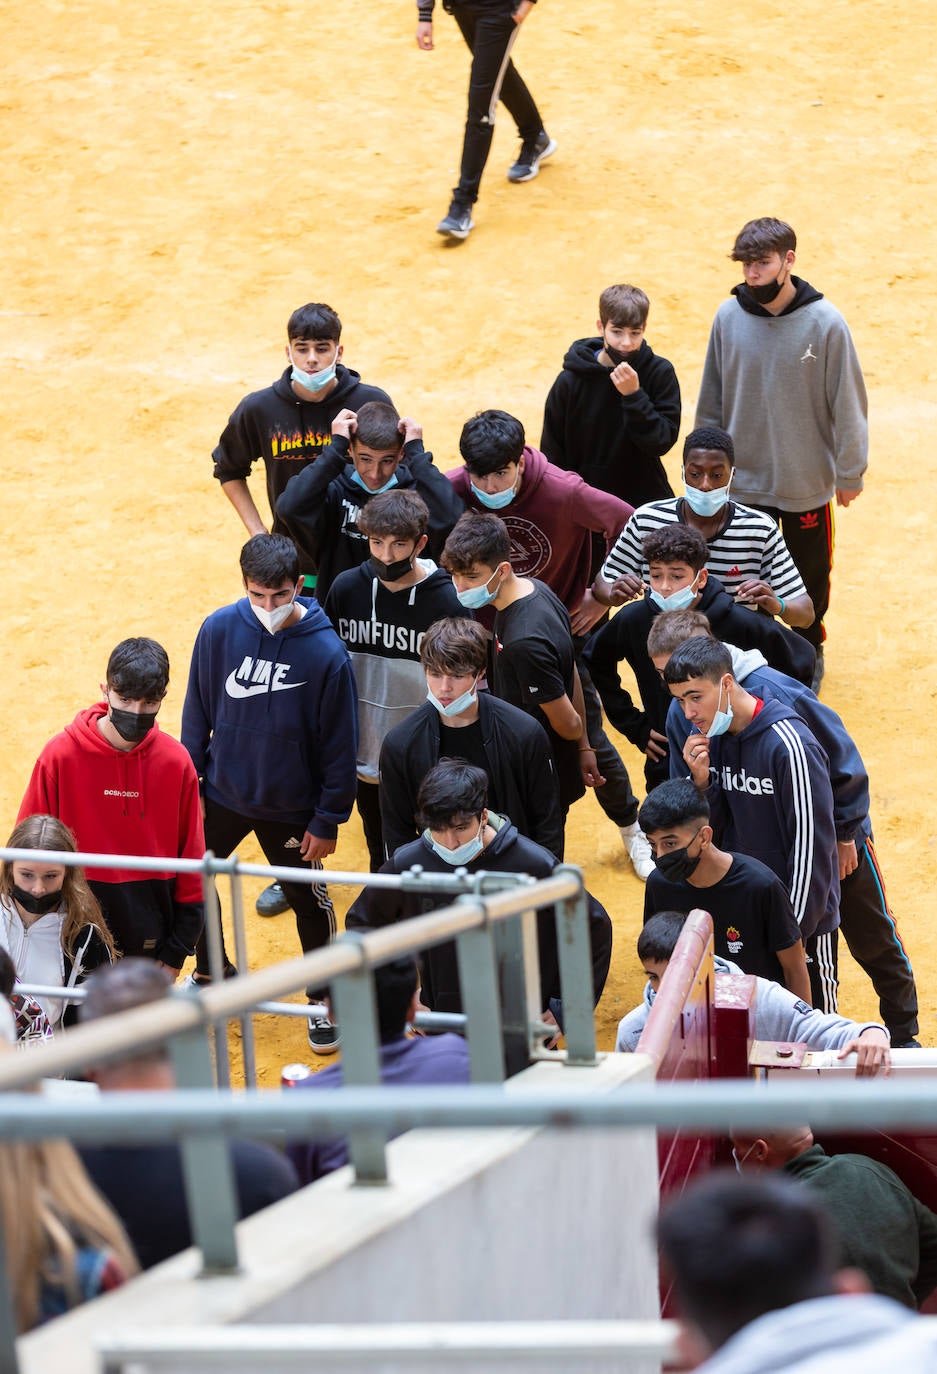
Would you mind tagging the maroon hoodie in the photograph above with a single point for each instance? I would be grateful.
(551, 521)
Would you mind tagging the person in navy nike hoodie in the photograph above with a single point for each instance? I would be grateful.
(768, 785)
(270, 720)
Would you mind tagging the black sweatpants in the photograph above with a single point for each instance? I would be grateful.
(493, 77)
(823, 967)
(616, 796)
(280, 842)
(369, 809)
(809, 535)
(872, 937)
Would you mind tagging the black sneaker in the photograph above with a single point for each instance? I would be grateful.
(532, 153)
(204, 980)
(272, 901)
(324, 1037)
(458, 224)
(906, 1044)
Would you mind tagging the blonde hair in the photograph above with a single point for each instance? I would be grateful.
(81, 906)
(50, 1209)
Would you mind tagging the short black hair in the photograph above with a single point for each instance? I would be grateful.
(138, 670)
(676, 544)
(376, 427)
(710, 437)
(476, 538)
(670, 629)
(658, 939)
(269, 560)
(676, 802)
(491, 440)
(398, 514)
(738, 1248)
(452, 791)
(394, 986)
(759, 238)
(698, 657)
(314, 321)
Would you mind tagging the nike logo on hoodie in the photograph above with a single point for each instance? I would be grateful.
(259, 676)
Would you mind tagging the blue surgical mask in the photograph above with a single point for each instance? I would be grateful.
(474, 598)
(497, 500)
(372, 491)
(707, 502)
(455, 708)
(677, 601)
(722, 719)
(465, 853)
(314, 382)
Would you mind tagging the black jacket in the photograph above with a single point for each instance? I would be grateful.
(614, 442)
(625, 637)
(285, 431)
(522, 780)
(321, 505)
(508, 852)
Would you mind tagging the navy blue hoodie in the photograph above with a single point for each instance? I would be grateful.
(271, 721)
(770, 797)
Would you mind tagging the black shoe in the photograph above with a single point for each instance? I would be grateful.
(203, 980)
(458, 224)
(532, 153)
(906, 1044)
(324, 1037)
(271, 901)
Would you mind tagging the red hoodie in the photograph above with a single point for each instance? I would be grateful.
(141, 801)
(550, 522)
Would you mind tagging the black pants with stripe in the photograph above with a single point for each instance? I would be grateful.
(490, 37)
(823, 967)
(280, 841)
(809, 536)
(871, 935)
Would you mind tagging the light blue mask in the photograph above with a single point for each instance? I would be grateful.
(677, 601)
(465, 853)
(497, 500)
(722, 719)
(372, 491)
(455, 708)
(707, 502)
(474, 598)
(314, 382)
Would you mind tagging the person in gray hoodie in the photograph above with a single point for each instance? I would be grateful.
(754, 1271)
(779, 1015)
(782, 376)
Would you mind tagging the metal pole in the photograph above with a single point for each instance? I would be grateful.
(356, 1005)
(478, 982)
(215, 964)
(575, 950)
(9, 1364)
(248, 1055)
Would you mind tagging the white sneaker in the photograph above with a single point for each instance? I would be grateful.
(639, 851)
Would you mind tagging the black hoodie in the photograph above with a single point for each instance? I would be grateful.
(320, 508)
(614, 442)
(284, 430)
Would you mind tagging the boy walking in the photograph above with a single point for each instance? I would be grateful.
(614, 410)
(125, 787)
(490, 28)
(782, 376)
(381, 611)
(287, 425)
(270, 720)
(371, 452)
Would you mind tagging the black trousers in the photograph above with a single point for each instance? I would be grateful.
(369, 809)
(493, 77)
(616, 797)
(809, 535)
(872, 937)
(823, 967)
(280, 841)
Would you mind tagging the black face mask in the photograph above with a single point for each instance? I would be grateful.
(131, 726)
(37, 906)
(617, 356)
(391, 572)
(764, 295)
(676, 866)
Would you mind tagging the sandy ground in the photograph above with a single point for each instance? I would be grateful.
(178, 179)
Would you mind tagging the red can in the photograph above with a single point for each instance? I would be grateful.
(291, 1074)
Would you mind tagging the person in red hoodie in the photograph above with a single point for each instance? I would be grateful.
(551, 516)
(124, 787)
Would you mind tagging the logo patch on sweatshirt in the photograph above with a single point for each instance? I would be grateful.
(734, 940)
(808, 355)
(257, 676)
(744, 782)
(531, 551)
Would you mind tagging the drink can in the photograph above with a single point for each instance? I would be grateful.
(291, 1074)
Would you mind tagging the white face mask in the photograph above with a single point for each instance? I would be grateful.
(740, 1163)
(273, 620)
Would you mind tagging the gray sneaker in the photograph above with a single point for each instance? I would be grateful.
(532, 153)
(458, 224)
(272, 901)
(324, 1037)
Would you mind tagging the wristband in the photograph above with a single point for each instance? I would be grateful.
(783, 605)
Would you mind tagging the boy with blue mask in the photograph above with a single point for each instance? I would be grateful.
(457, 720)
(372, 451)
(288, 425)
(679, 580)
(746, 549)
(767, 781)
(460, 830)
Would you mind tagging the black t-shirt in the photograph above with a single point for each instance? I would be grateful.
(465, 742)
(532, 661)
(751, 911)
